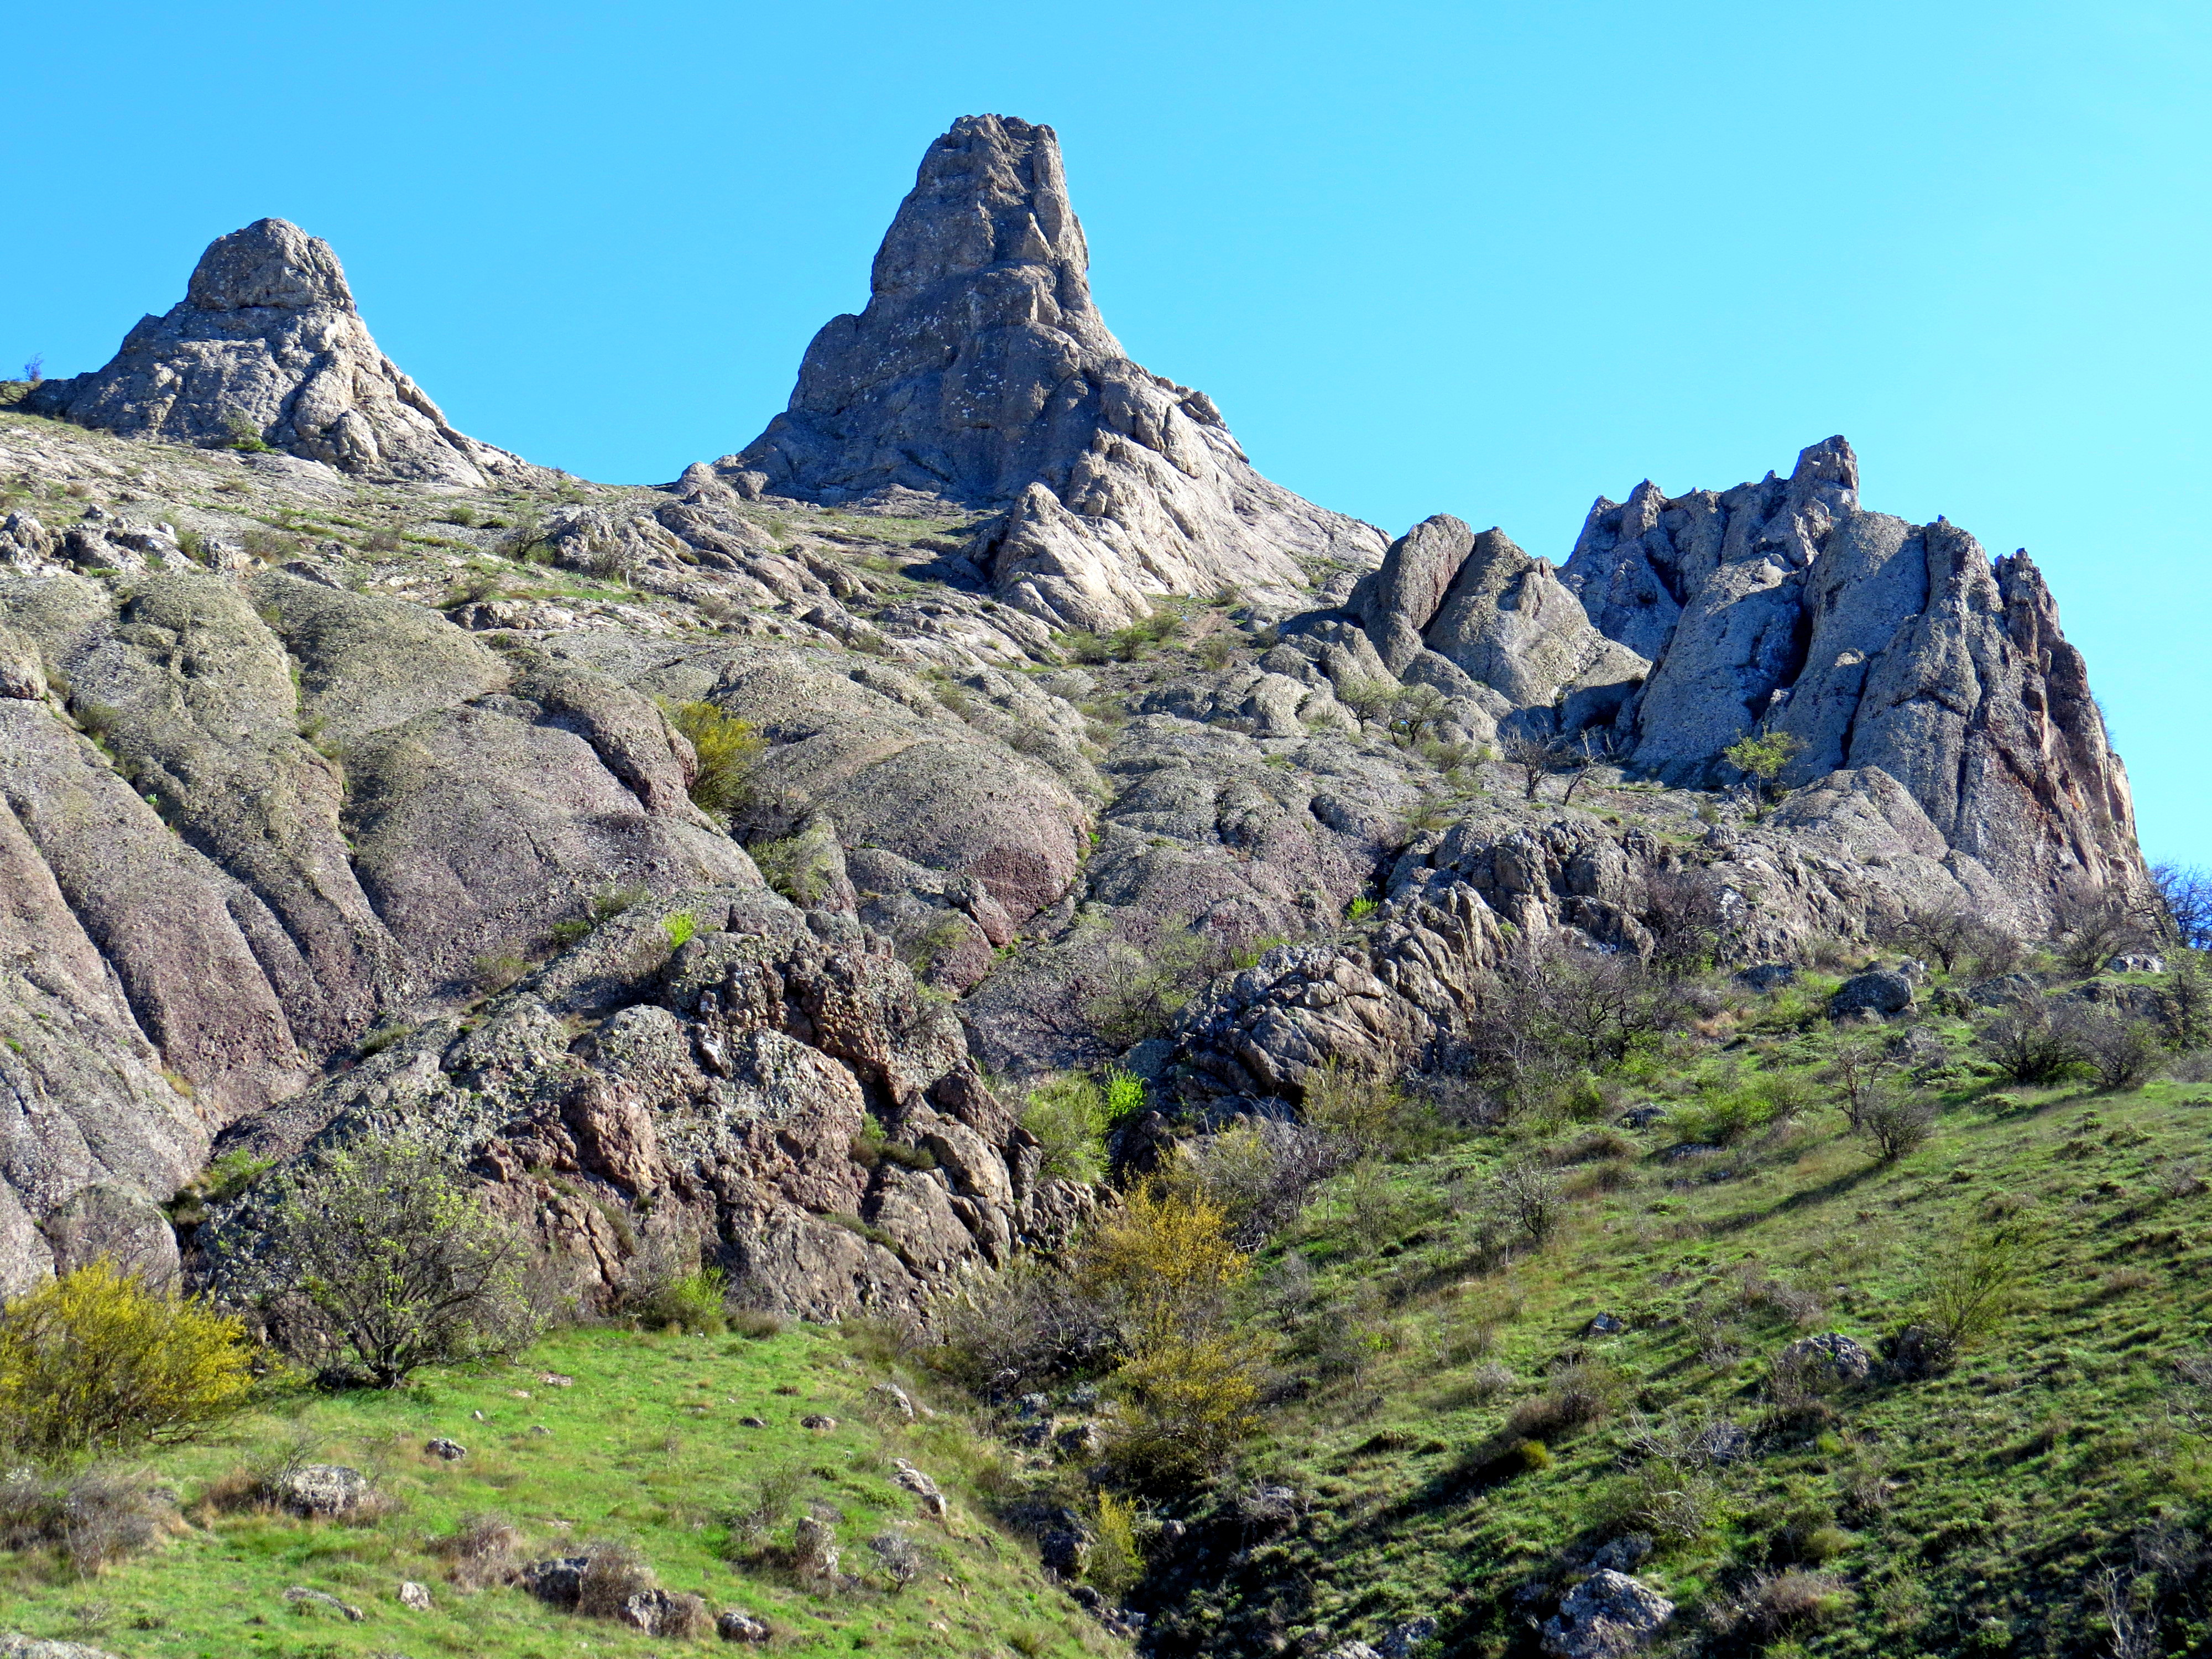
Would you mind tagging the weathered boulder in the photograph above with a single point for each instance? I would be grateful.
(13, 1646)
(981, 372)
(323, 1489)
(733, 1626)
(1830, 1358)
(266, 346)
(1607, 1614)
(717, 1099)
(1881, 992)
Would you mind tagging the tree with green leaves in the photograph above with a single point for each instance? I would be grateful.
(380, 1248)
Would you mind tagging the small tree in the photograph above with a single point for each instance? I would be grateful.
(35, 370)
(1946, 933)
(1579, 759)
(2090, 926)
(395, 1260)
(2185, 1009)
(2184, 898)
(1533, 758)
(96, 1360)
(1762, 758)
(1530, 1196)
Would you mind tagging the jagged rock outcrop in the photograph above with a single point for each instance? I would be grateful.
(718, 1099)
(981, 372)
(1782, 606)
(1474, 616)
(1840, 859)
(266, 344)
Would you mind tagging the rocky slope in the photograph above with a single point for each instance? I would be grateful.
(341, 790)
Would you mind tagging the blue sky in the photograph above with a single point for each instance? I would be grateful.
(1479, 258)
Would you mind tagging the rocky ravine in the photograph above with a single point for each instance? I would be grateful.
(341, 794)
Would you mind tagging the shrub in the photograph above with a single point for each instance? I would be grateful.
(96, 1518)
(2028, 1044)
(95, 1359)
(1188, 1401)
(1764, 757)
(1976, 1281)
(615, 1571)
(1069, 1115)
(901, 1559)
(727, 748)
(1355, 1105)
(1161, 1263)
(2090, 926)
(1020, 1327)
(1528, 1195)
(1116, 1561)
(1770, 1603)
(772, 1500)
(383, 1252)
(1896, 1123)
(1261, 1175)
(2123, 1052)
(243, 433)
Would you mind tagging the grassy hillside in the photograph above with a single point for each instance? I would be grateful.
(1462, 1416)
(646, 1446)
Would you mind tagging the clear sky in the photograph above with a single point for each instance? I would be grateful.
(1489, 259)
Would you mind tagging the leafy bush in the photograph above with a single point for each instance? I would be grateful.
(380, 1249)
(727, 748)
(1188, 1401)
(1116, 1561)
(94, 1359)
(1069, 1115)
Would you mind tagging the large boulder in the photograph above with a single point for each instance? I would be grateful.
(1607, 1614)
(982, 373)
(266, 345)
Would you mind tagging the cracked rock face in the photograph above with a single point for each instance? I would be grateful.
(266, 342)
(981, 372)
(1782, 606)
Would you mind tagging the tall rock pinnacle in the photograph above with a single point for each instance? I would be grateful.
(266, 342)
(982, 373)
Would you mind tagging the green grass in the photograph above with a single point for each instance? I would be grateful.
(1966, 1512)
(646, 1445)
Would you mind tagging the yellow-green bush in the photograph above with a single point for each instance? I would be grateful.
(727, 748)
(96, 1360)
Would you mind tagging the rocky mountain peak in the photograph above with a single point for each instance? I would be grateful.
(271, 264)
(981, 374)
(267, 348)
(990, 193)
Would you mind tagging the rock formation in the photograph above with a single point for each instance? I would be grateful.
(1474, 616)
(981, 373)
(300, 840)
(1782, 606)
(266, 346)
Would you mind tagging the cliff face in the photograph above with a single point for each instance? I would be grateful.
(981, 373)
(266, 344)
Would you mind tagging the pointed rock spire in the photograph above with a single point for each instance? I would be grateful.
(266, 344)
(981, 373)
